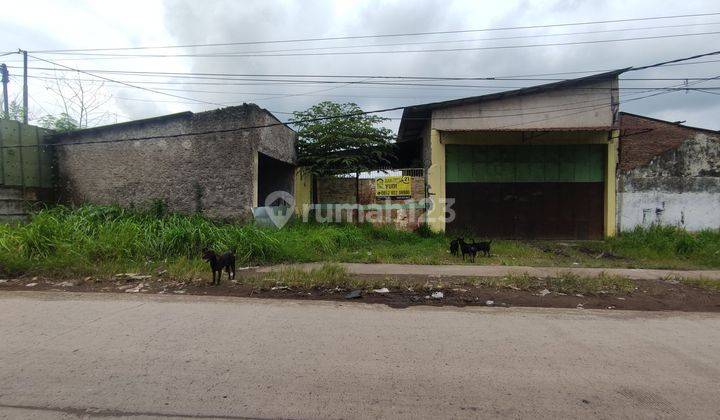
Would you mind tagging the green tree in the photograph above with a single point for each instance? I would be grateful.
(62, 122)
(338, 138)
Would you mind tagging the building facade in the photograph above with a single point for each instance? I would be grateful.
(668, 174)
(221, 163)
(536, 162)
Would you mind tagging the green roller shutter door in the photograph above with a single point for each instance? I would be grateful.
(556, 163)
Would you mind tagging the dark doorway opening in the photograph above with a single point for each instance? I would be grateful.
(273, 175)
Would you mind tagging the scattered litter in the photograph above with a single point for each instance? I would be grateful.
(579, 295)
(125, 287)
(489, 302)
(3, 281)
(31, 285)
(427, 296)
(576, 263)
(355, 294)
(410, 289)
(65, 284)
(162, 272)
(543, 292)
(247, 268)
(382, 290)
(460, 290)
(621, 298)
(611, 307)
(132, 276)
(135, 289)
(179, 292)
(279, 288)
(580, 306)
(437, 295)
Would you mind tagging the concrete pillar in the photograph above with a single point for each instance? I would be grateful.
(611, 184)
(436, 183)
(303, 191)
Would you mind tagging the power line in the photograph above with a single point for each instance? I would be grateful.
(127, 84)
(566, 24)
(453, 41)
(497, 47)
(677, 60)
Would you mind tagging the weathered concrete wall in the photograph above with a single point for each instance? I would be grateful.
(577, 107)
(680, 185)
(215, 172)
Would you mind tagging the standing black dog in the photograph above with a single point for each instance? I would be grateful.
(455, 246)
(468, 249)
(483, 247)
(219, 262)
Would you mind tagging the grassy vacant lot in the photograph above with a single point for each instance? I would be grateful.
(103, 240)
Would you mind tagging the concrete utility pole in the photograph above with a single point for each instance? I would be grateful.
(25, 87)
(5, 79)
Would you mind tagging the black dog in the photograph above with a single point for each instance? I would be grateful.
(483, 247)
(455, 246)
(468, 249)
(219, 262)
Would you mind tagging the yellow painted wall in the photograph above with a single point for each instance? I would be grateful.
(611, 184)
(303, 190)
(436, 182)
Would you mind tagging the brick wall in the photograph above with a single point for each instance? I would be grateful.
(645, 138)
(215, 172)
(342, 190)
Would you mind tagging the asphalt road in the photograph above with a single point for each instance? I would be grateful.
(69, 355)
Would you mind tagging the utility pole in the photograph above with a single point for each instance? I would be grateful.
(25, 87)
(5, 79)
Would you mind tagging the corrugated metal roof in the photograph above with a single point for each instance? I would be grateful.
(414, 117)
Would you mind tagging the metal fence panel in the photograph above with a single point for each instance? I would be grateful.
(24, 162)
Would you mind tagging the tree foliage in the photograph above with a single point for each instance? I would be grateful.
(62, 122)
(339, 138)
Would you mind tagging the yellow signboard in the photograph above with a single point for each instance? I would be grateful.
(393, 187)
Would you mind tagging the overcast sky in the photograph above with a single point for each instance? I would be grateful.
(37, 25)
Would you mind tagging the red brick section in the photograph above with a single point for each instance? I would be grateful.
(643, 138)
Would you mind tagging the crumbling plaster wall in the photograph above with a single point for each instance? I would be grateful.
(678, 187)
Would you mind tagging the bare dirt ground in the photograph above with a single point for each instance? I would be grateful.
(408, 290)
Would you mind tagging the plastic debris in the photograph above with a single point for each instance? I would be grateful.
(31, 285)
(382, 290)
(355, 294)
(65, 284)
(279, 288)
(135, 289)
(437, 295)
(489, 302)
(543, 292)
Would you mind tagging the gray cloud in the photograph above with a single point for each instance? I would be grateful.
(192, 22)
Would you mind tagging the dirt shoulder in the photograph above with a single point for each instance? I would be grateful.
(408, 290)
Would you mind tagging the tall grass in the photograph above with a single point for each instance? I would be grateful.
(97, 239)
(670, 244)
(92, 239)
